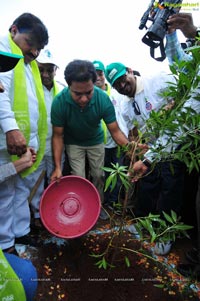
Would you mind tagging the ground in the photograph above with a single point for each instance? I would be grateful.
(68, 272)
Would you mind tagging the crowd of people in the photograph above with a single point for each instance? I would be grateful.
(86, 121)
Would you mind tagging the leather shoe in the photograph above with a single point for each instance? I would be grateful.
(26, 240)
(189, 270)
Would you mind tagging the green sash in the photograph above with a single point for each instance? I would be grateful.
(55, 88)
(11, 287)
(103, 125)
(21, 106)
(104, 128)
(108, 89)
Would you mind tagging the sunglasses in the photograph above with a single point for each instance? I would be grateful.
(136, 108)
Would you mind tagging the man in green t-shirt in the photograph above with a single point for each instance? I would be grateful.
(76, 116)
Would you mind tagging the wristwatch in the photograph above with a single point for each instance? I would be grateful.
(146, 163)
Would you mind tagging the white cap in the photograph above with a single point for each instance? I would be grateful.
(45, 57)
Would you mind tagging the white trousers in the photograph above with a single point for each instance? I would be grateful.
(14, 207)
(47, 164)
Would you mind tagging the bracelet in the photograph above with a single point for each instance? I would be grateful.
(146, 163)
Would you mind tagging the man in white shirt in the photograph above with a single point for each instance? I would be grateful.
(159, 190)
(23, 123)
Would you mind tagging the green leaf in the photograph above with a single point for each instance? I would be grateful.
(125, 182)
(153, 237)
(104, 263)
(108, 183)
(95, 255)
(183, 227)
(99, 263)
(113, 184)
(127, 262)
(174, 216)
(168, 218)
(159, 285)
(123, 168)
(107, 169)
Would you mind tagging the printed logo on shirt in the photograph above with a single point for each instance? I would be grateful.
(148, 105)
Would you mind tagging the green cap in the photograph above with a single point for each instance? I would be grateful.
(114, 71)
(99, 65)
(8, 60)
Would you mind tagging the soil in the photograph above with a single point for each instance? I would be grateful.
(68, 272)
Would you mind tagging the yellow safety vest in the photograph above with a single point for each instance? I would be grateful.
(21, 106)
(104, 127)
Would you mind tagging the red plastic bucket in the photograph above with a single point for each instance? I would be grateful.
(71, 207)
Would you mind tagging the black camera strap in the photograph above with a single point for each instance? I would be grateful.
(153, 45)
(162, 52)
